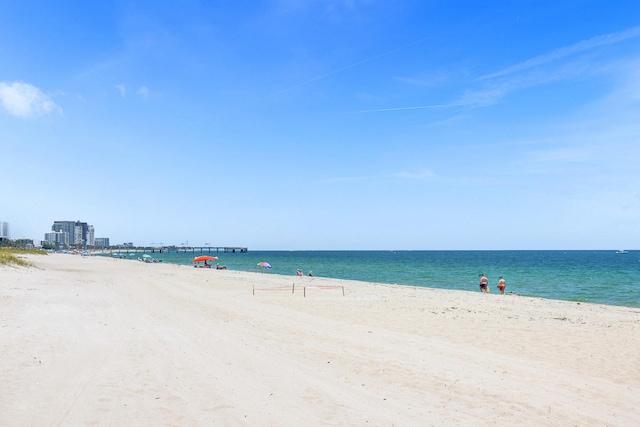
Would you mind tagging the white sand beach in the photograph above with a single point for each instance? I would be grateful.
(93, 341)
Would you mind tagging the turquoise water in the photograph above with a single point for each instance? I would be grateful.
(589, 276)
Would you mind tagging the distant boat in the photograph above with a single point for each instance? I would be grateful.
(622, 251)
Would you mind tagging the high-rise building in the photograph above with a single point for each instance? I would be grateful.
(67, 227)
(90, 239)
(5, 229)
(79, 233)
(101, 242)
(57, 238)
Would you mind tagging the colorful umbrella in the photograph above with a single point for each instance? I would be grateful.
(264, 264)
(204, 258)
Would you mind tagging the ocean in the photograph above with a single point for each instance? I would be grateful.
(603, 277)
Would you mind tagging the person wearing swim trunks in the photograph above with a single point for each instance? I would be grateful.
(501, 285)
(484, 282)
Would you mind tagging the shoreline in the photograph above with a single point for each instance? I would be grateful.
(560, 275)
(97, 341)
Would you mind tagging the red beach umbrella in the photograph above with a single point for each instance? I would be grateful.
(204, 258)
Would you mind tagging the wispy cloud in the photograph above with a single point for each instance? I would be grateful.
(560, 155)
(350, 179)
(412, 81)
(492, 93)
(566, 51)
(628, 92)
(417, 175)
(484, 97)
(417, 107)
(404, 175)
(122, 90)
(337, 5)
(329, 9)
(449, 121)
(433, 78)
(489, 91)
(25, 100)
(143, 91)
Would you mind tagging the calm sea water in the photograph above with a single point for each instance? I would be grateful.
(589, 276)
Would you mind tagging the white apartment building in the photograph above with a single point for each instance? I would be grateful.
(89, 238)
(57, 238)
(101, 242)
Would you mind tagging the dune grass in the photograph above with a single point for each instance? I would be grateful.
(11, 256)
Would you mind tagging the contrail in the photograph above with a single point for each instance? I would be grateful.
(566, 51)
(306, 82)
(357, 64)
(533, 62)
(323, 76)
(420, 107)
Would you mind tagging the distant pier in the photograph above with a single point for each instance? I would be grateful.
(177, 249)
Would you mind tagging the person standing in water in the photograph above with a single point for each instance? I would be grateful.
(484, 282)
(501, 285)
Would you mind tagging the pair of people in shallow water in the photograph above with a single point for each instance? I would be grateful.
(299, 273)
(484, 284)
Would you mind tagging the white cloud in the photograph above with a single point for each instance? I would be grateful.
(123, 90)
(25, 100)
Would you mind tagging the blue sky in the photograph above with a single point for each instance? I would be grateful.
(326, 124)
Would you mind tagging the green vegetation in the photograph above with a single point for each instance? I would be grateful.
(9, 256)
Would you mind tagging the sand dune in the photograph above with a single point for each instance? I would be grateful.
(99, 341)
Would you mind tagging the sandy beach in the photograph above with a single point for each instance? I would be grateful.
(93, 341)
